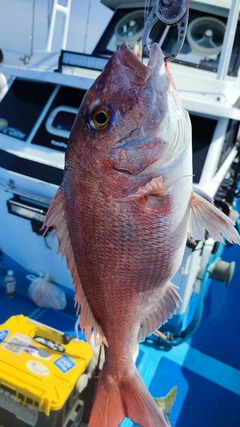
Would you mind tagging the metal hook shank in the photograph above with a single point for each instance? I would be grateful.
(182, 31)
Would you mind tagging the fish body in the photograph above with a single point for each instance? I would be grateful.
(121, 216)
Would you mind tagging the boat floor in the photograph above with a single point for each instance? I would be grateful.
(205, 369)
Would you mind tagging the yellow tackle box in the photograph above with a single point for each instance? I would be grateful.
(38, 374)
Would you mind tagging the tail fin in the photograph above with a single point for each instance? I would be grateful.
(128, 397)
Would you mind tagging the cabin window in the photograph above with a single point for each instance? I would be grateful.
(63, 120)
(202, 133)
(230, 141)
(22, 106)
(56, 126)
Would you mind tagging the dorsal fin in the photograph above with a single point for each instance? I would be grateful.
(56, 218)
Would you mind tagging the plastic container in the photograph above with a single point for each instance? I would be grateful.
(10, 284)
(39, 374)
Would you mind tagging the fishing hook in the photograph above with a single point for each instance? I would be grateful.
(170, 12)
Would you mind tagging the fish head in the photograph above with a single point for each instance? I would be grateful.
(129, 110)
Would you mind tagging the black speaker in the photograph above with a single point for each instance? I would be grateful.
(130, 28)
(205, 36)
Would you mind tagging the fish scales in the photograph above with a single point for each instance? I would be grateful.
(121, 262)
(121, 216)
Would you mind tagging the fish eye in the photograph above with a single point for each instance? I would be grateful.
(100, 118)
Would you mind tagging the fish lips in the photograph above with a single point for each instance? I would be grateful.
(129, 59)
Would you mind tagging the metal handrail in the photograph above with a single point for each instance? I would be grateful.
(66, 11)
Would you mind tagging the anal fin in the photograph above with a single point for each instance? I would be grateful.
(204, 215)
(56, 218)
(165, 308)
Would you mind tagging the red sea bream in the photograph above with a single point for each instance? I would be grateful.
(121, 216)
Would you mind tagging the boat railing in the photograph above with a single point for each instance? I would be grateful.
(228, 40)
(65, 10)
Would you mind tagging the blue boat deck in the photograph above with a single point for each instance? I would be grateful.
(205, 369)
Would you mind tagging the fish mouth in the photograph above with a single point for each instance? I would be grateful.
(128, 58)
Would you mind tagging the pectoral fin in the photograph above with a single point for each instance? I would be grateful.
(153, 188)
(204, 215)
(157, 188)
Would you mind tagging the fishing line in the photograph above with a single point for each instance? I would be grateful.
(50, 6)
(147, 7)
(87, 25)
(33, 27)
